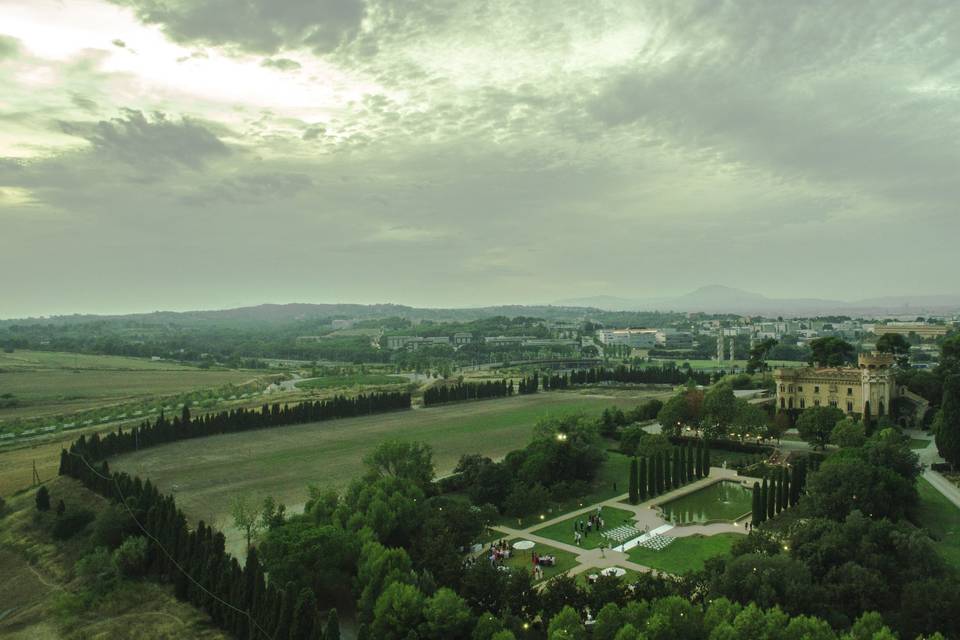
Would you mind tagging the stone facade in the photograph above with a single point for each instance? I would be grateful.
(846, 388)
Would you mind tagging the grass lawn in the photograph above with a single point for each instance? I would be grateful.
(563, 531)
(330, 382)
(684, 554)
(628, 578)
(522, 559)
(942, 519)
(919, 443)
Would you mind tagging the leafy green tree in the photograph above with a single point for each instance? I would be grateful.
(246, 518)
(674, 618)
(947, 423)
(816, 424)
(757, 360)
(398, 613)
(43, 498)
(749, 421)
(848, 433)
(896, 345)
(831, 352)
(844, 484)
(609, 622)
(446, 615)
(304, 621)
(411, 461)
(719, 410)
(566, 625)
(628, 632)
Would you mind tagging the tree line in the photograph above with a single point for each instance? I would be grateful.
(461, 391)
(185, 426)
(780, 491)
(651, 476)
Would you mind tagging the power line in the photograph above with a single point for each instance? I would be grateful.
(173, 560)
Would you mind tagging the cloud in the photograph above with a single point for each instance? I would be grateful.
(283, 64)
(259, 26)
(150, 143)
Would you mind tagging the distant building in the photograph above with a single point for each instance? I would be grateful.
(503, 341)
(636, 338)
(550, 342)
(460, 339)
(846, 388)
(925, 331)
(341, 324)
(674, 339)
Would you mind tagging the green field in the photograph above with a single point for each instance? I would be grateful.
(205, 474)
(563, 531)
(332, 382)
(942, 519)
(684, 554)
(48, 383)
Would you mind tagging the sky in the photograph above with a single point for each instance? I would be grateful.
(201, 154)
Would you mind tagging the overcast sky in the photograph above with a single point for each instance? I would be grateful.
(184, 154)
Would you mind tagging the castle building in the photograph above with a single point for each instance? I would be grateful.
(846, 388)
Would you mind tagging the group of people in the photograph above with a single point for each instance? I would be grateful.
(499, 551)
(581, 529)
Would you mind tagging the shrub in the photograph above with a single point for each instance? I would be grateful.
(72, 523)
(112, 526)
(97, 571)
(131, 557)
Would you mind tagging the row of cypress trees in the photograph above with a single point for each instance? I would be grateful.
(181, 427)
(461, 391)
(628, 374)
(650, 476)
(781, 490)
(529, 385)
(238, 599)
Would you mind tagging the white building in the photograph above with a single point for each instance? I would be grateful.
(636, 338)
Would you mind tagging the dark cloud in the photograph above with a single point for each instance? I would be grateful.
(261, 26)
(149, 143)
(283, 64)
(84, 103)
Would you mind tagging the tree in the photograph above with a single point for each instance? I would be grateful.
(947, 423)
(756, 517)
(332, 630)
(633, 490)
(43, 499)
(771, 498)
(764, 499)
(446, 615)
(304, 621)
(398, 612)
(816, 424)
(831, 352)
(566, 625)
(61, 508)
(407, 460)
(848, 433)
(750, 420)
(757, 360)
(896, 345)
(642, 492)
(246, 517)
(719, 410)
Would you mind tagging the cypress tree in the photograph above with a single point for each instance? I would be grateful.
(867, 419)
(771, 498)
(658, 460)
(684, 475)
(781, 488)
(642, 480)
(755, 518)
(634, 490)
(706, 460)
(332, 632)
(304, 616)
(43, 498)
(699, 464)
(764, 491)
(667, 477)
(652, 477)
(691, 465)
(676, 468)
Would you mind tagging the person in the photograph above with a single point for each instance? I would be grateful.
(601, 550)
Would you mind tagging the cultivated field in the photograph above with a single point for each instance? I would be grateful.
(205, 474)
(49, 383)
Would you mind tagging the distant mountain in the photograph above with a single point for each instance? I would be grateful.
(722, 299)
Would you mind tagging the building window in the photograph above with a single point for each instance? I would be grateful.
(849, 407)
(782, 388)
(849, 391)
(783, 403)
(816, 389)
(803, 403)
(833, 403)
(816, 403)
(799, 389)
